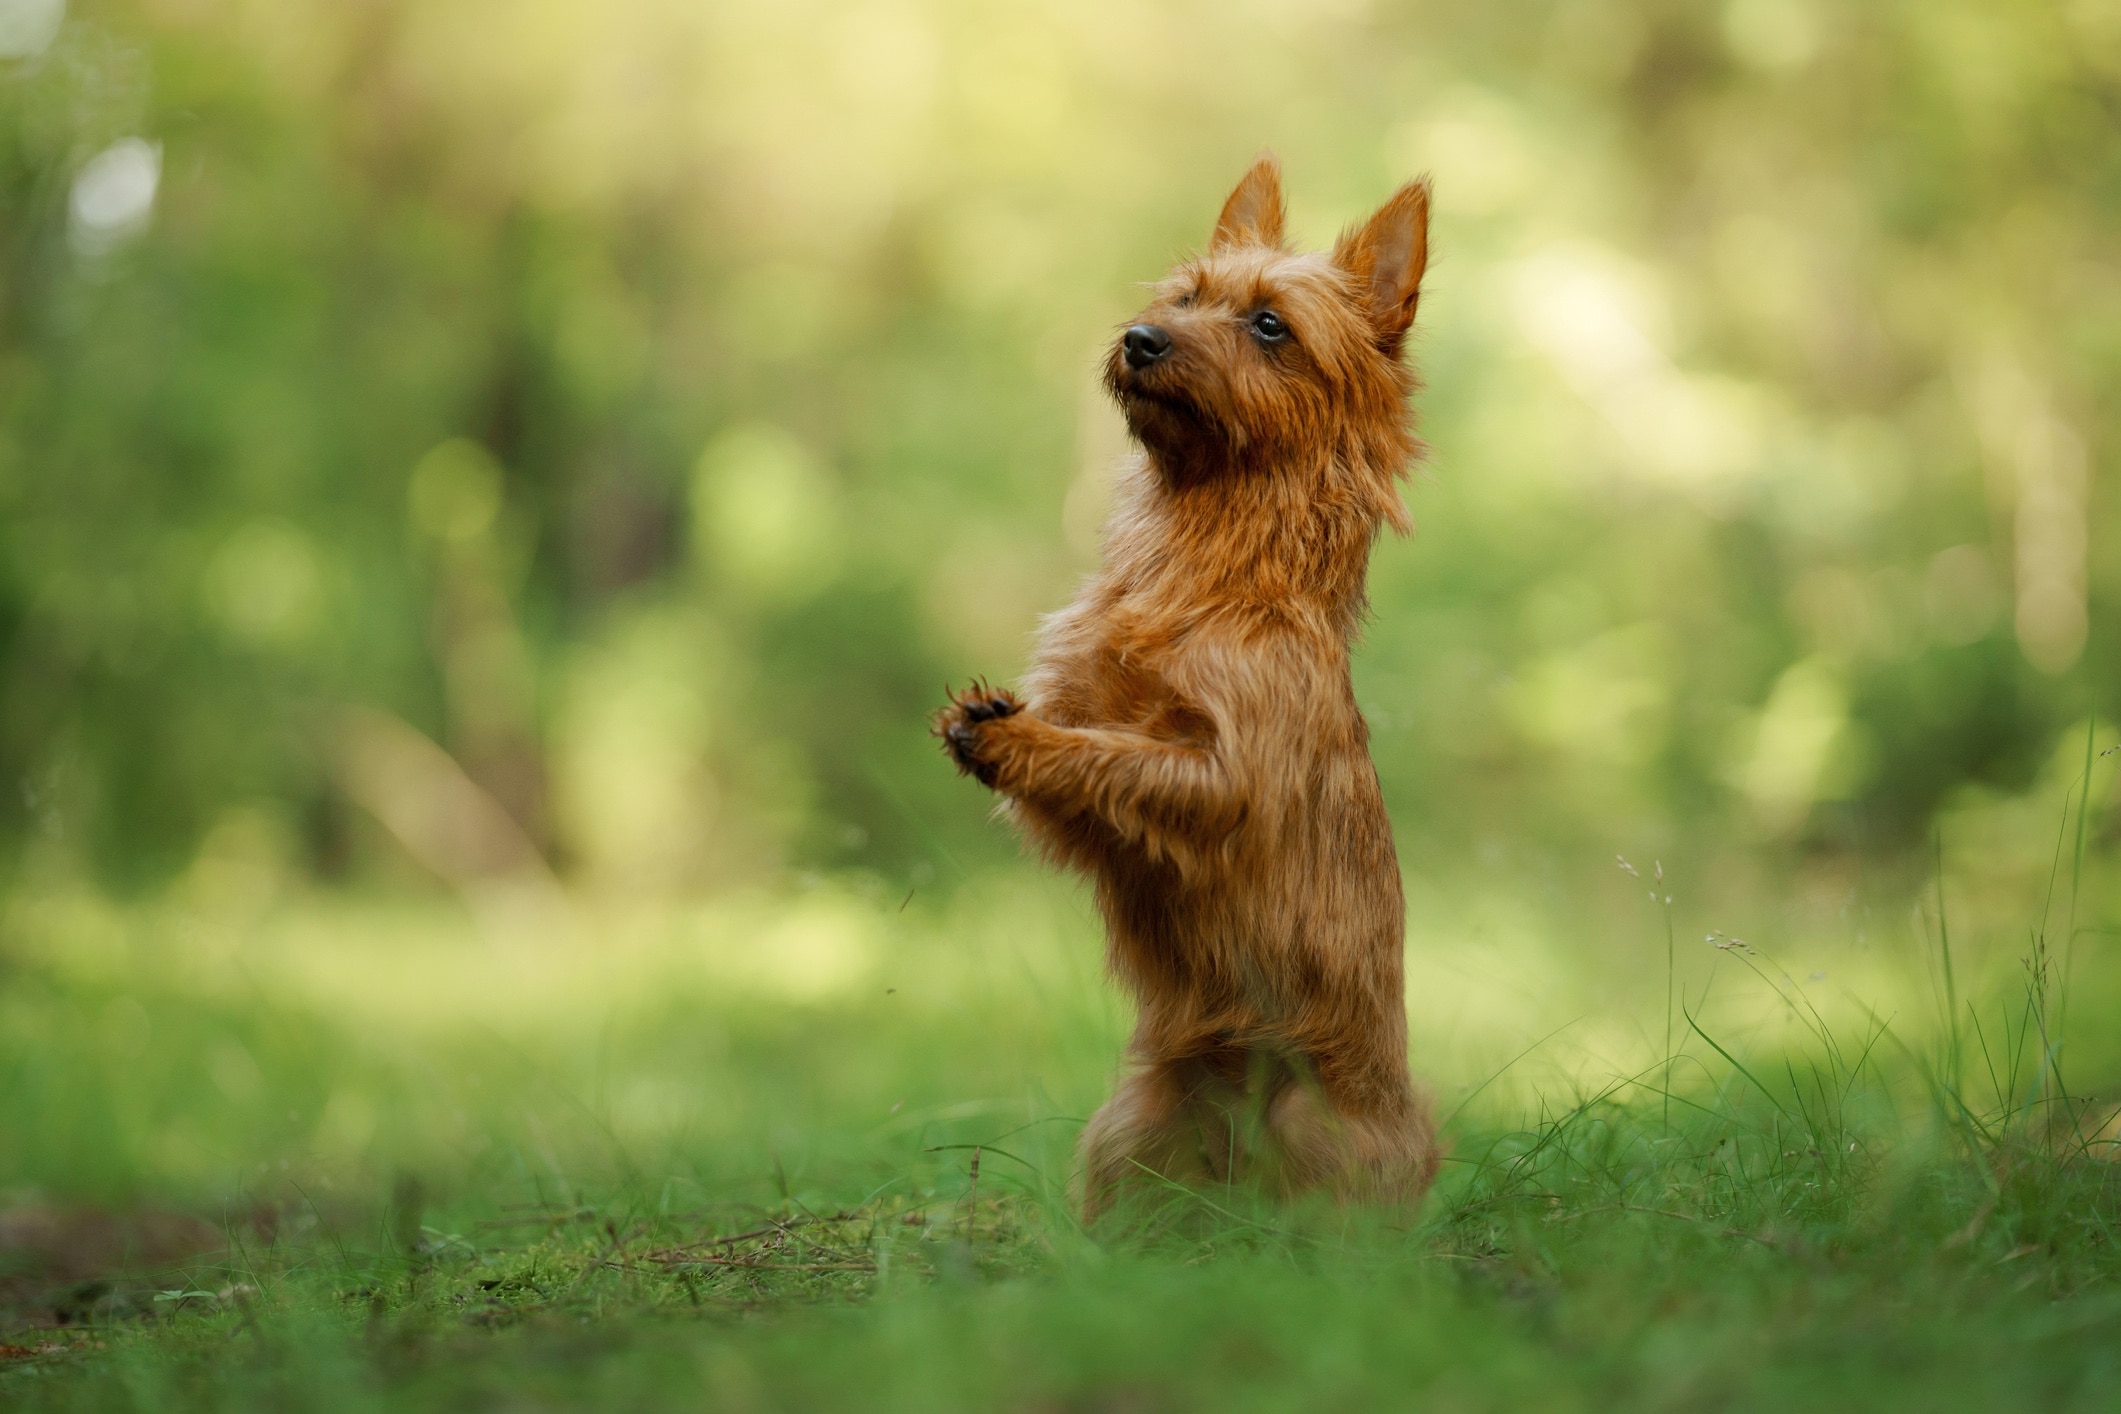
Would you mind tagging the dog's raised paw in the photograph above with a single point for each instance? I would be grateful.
(959, 726)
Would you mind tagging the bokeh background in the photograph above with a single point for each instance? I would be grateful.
(484, 482)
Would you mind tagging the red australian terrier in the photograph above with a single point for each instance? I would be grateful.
(1188, 735)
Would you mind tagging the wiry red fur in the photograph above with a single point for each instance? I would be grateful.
(1188, 735)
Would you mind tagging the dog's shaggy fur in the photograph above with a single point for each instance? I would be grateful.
(1188, 735)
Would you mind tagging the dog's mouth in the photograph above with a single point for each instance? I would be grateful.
(1169, 421)
(1187, 442)
(1133, 393)
(1187, 439)
(1153, 390)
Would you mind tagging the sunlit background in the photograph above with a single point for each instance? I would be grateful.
(489, 493)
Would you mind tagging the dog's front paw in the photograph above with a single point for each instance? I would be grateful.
(962, 726)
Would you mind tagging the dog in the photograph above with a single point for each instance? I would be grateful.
(1188, 735)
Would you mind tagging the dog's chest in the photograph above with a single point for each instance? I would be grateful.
(1119, 669)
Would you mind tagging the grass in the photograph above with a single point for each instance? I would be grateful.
(812, 1152)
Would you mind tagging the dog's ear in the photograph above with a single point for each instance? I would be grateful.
(1386, 255)
(1253, 214)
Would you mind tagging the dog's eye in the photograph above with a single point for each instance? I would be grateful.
(1185, 301)
(1268, 327)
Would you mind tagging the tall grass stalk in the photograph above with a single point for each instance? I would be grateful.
(1671, 973)
(2076, 867)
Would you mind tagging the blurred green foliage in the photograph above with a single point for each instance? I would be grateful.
(654, 403)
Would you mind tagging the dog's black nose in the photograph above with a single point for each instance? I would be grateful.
(1145, 344)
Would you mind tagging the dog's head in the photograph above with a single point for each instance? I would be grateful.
(1253, 353)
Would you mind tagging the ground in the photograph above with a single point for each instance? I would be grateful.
(813, 1152)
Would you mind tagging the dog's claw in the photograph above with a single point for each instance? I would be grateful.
(958, 725)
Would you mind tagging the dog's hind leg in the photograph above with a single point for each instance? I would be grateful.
(1157, 1126)
(1362, 1147)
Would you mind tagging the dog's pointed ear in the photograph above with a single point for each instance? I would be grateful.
(1387, 255)
(1253, 214)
